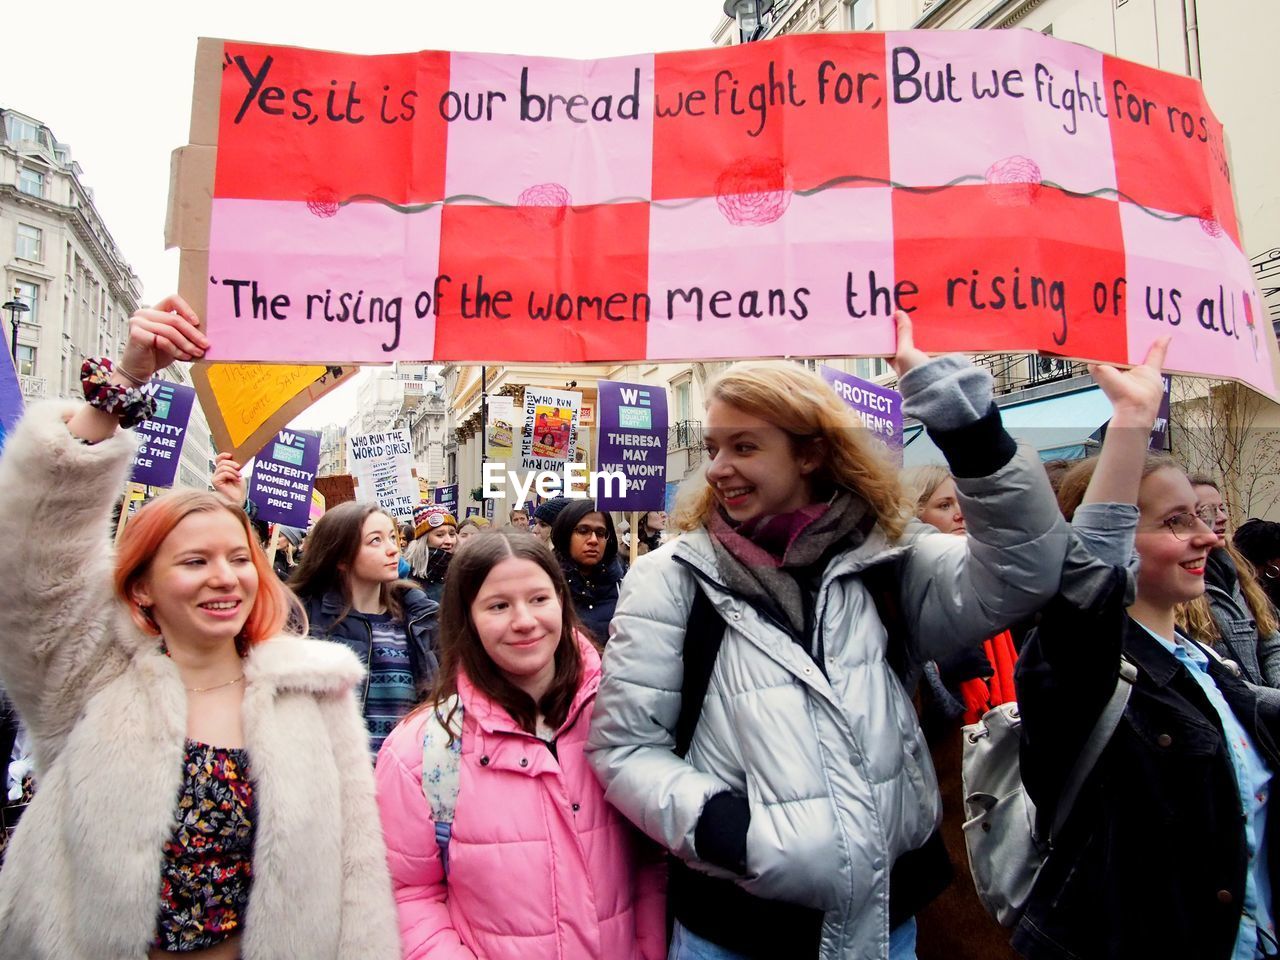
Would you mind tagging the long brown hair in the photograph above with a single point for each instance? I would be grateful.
(462, 652)
(331, 549)
(800, 404)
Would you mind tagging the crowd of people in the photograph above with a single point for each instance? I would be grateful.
(468, 741)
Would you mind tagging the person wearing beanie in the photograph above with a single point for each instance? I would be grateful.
(436, 534)
(544, 517)
(587, 547)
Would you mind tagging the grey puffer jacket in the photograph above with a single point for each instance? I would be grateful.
(1256, 653)
(834, 767)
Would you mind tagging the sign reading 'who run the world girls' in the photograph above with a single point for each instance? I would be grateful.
(1012, 191)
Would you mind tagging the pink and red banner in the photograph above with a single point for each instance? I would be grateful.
(1012, 191)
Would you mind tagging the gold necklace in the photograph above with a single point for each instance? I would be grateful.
(216, 686)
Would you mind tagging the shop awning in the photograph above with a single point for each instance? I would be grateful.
(1058, 427)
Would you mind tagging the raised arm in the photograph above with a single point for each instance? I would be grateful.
(958, 591)
(62, 470)
(1108, 513)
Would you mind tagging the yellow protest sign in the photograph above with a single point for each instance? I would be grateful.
(247, 404)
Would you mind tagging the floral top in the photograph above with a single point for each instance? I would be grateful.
(208, 864)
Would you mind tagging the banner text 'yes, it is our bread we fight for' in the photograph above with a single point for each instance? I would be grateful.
(1011, 191)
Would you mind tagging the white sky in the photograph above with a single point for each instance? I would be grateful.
(113, 81)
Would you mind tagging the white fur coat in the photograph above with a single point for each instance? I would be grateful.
(107, 711)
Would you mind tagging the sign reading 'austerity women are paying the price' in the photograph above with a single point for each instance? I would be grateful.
(1011, 191)
(284, 476)
(160, 438)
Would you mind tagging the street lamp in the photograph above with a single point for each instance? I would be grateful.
(16, 308)
(749, 14)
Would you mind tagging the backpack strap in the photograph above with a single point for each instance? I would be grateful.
(441, 756)
(1099, 737)
(882, 580)
(703, 636)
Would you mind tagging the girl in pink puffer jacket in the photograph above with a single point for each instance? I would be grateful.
(539, 865)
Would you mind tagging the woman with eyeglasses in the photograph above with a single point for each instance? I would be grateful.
(1169, 847)
(1234, 615)
(587, 546)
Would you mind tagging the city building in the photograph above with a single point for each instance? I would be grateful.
(333, 451)
(61, 263)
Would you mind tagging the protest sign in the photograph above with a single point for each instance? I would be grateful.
(160, 438)
(10, 398)
(284, 476)
(1160, 432)
(502, 418)
(383, 467)
(1015, 192)
(336, 488)
(550, 431)
(317, 506)
(447, 497)
(633, 442)
(247, 404)
(879, 408)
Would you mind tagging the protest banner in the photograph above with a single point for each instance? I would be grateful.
(446, 496)
(247, 404)
(550, 431)
(502, 418)
(879, 408)
(472, 512)
(284, 476)
(160, 438)
(10, 398)
(383, 467)
(633, 441)
(1013, 191)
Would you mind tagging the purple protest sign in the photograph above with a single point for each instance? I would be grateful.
(1160, 432)
(160, 438)
(10, 398)
(284, 474)
(447, 497)
(633, 442)
(879, 408)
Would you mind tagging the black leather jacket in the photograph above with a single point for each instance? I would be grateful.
(1153, 857)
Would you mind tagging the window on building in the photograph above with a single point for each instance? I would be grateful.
(29, 294)
(869, 368)
(20, 128)
(862, 14)
(28, 242)
(26, 361)
(31, 182)
(681, 400)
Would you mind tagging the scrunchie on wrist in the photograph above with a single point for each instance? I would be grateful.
(130, 404)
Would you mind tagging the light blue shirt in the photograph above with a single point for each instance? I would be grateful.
(1257, 934)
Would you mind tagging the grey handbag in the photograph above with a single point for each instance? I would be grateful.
(1005, 856)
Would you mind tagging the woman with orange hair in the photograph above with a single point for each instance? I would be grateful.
(203, 784)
